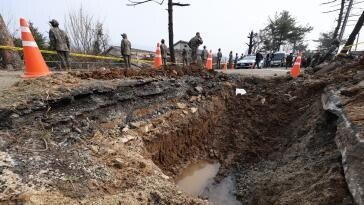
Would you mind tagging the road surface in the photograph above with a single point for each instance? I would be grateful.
(261, 73)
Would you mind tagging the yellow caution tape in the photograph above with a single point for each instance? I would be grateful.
(74, 54)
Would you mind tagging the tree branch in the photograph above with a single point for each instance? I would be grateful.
(180, 4)
(135, 3)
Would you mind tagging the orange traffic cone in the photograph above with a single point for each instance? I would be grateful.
(209, 61)
(158, 57)
(33, 59)
(296, 69)
(225, 66)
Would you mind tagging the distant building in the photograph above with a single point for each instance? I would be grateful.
(180, 45)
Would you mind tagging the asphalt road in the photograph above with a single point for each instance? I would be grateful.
(261, 73)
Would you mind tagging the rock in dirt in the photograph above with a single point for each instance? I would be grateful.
(199, 89)
(135, 125)
(127, 139)
(118, 163)
(181, 106)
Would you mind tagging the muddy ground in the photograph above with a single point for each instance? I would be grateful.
(122, 137)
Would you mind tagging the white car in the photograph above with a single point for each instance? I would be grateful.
(248, 62)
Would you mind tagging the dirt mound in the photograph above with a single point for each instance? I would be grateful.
(170, 71)
(38, 88)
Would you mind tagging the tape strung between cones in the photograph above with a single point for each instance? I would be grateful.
(75, 54)
(100, 57)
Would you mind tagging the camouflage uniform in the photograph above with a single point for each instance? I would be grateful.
(126, 50)
(236, 60)
(59, 41)
(204, 56)
(164, 52)
(219, 57)
(230, 59)
(194, 43)
(185, 56)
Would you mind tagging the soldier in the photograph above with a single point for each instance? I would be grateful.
(258, 58)
(204, 56)
(164, 52)
(236, 60)
(59, 41)
(219, 57)
(185, 55)
(126, 50)
(230, 59)
(194, 43)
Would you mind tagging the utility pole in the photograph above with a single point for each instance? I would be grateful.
(251, 42)
(349, 43)
(347, 15)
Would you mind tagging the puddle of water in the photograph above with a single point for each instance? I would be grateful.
(197, 180)
(196, 177)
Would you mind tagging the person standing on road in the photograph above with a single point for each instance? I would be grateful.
(164, 52)
(219, 57)
(59, 41)
(204, 56)
(194, 43)
(185, 56)
(268, 59)
(236, 60)
(230, 60)
(289, 60)
(258, 58)
(126, 50)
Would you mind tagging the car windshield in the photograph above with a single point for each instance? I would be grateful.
(278, 56)
(249, 58)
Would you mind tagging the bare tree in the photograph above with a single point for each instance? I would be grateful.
(8, 58)
(349, 43)
(101, 41)
(84, 31)
(251, 44)
(171, 4)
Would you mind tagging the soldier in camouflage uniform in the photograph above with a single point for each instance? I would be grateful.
(126, 50)
(59, 41)
(230, 59)
(236, 60)
(164, 52)
(204, 56)
(194, 43)
(185, 56)
(219, 57)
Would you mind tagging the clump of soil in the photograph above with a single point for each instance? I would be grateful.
(39, 88)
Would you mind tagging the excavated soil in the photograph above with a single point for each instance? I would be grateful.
(123, 136)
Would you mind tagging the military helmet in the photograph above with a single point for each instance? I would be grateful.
(54, 22)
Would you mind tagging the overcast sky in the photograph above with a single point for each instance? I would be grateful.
(222, 23)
